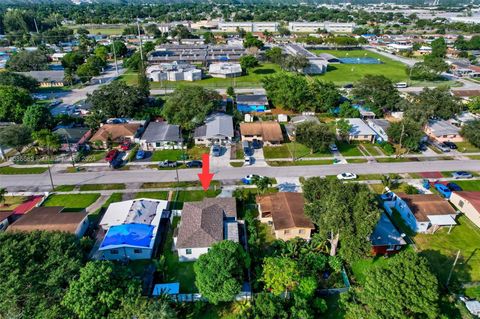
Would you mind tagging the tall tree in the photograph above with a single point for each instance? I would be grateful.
(248, 62)
(15, 136)
(439, 47)
(13, 102)
(345, 214)
(280, 275)
(343, 128)
(219, 273)
(407, 133)
(471, 131)
(438, 102)
(37, 117)
(100, 290)
(19, 80)
(403, 287)
(316, 136)
(189, 105)
(25, 61)
(145, 308)
(46, 140)
(378, 93)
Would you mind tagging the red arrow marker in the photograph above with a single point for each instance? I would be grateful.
(205, 177)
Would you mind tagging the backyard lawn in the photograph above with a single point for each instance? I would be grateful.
(441, 248)
(71, 202)
(178, 271)
(8, 170)
(361, 267)
(348, 73)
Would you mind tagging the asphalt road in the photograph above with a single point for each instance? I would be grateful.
(140, 176)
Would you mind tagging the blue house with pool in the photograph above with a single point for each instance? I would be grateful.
(252, 103)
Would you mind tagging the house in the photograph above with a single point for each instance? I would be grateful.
(161, 135)
(132, 228)
(284, 212)
(386, 239)
(47, 79)
(252, 103)
(297, 120)
(380, 126)
(468, 202)
(57, 56)
(116, 133)
(204, 224)
(360, 131)
(225, 70)
(463, 118)
(72, 137)
(217, 129)
(423, 213)
(466, 95)
(52, 219)
(443, 131)
(270, 133)
(5, 219)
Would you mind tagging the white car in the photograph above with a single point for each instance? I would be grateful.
(346, 176)
(333, 147)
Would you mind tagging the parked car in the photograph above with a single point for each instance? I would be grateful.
(462, 174)
(256, 144)
(126, 145)
(443, 190)
(451, 145)
(246, 148)
(443, 147)
(422, 147)
(333, 147)
(387, 196)
(249, 178)
(216, 150)
(346, 176)
(454, 187)
(140, 154)
(111, 155)
(117, 162)
(248, 160)
(40, 96)
(194, 164)
(167, 163)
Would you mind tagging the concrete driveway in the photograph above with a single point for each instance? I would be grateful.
(223, 160)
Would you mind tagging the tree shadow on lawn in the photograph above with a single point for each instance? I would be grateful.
(441, 265)
(264, 71)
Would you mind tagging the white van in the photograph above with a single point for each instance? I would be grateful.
(401, 85)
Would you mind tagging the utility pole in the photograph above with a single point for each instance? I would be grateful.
(401, 138)
(51, 179)
(70, 150)
(451, 270)
(115, 56)
(141, 45)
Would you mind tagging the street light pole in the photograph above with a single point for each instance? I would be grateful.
(51, 179)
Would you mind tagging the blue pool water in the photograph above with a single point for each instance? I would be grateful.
(359, 61)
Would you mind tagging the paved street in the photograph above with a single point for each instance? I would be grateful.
(229, 173)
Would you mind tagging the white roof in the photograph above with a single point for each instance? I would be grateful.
(473, 306)
(225, 68)
(141, 210)
(442, 220)
(359, 127)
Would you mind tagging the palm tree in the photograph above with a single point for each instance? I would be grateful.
(262, 183)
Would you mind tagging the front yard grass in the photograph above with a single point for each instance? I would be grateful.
(288, 150)
(441, 248)
(64, 188)
(357, 160)
(176, 270)
(11, 202)
(348, 149)
(8, 170)
(236, 164)
(300, 162)
(373, 149)
(163, 155)
(71, 202)
(192, 196)
(466, 147)
(100, 187)
(394, 159)
(473, 185)
(154, 195)
(181, 184)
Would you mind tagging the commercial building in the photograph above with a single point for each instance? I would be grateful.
(173, 72)
(334, 27)
(318, 65)
(205, 54)
(225, 70)
(248, 26)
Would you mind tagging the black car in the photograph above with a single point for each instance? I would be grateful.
(451, 145)
(422, 147)
(117, 162)
(454, 187)
(167, 164)
(194, 164)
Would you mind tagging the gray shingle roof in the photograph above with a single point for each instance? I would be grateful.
(252, 99)
(202, 222)
(440, 128)
(73, 134)
(218, 124)
(162, 131)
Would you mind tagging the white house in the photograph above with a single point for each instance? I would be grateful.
(218, 128)
(423, 213)
(161, 135)
(380, 126)
(132, 228)
(468, 202)
(204, 224)
(360, 131)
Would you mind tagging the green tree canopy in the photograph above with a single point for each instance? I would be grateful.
(13, 103)
(189, 105)
(251, 41)
(19, 80)
(16, 136)
(36, 270)
(345, 214)
(145, 308)
(120, 48)
(378, 93)
(46, 140)
(268, 306)
(407, 133)
(438, 102)
(100, 290)
(471, 131)
(117, 99)
(219, 273)
(316, 136)
(247, 62)
(274, 55)
(37, 117)
(401, 288)
(280, 275)
(25, 61)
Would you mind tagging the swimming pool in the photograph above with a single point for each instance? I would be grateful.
(359, 61)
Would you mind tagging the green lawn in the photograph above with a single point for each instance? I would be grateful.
(71, 202)
(357, 160)
(192, 196)
(348, 73)
(361, 267)
(466, 147)
(373, 149)
(394, 160)
(64, 188)
(154, 195)
(8, 170)
(94, 156)
(288, 150)
(175, 184)
(236, 164)
(441, 248)
(178, 271)
(473, 185)
(300, 163)
(115, 197)
(171, 155)
(348, 149)
(252, 79)
(11, 202)
(99, 187)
